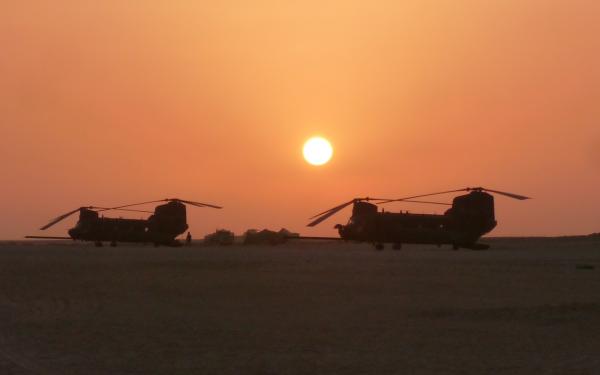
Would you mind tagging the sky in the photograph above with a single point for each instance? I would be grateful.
(113, 102)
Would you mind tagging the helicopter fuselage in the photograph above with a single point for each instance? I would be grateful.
(470, 217)
(167, 222)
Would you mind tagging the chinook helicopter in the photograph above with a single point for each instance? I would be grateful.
(469, 217)
(166, 222)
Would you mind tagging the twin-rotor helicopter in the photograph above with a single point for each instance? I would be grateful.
(168, 221)
(469, 217)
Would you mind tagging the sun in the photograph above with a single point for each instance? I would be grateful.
(317, 151)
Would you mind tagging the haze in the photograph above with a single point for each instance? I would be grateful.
(115, 102)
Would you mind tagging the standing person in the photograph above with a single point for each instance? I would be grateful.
(188, 238)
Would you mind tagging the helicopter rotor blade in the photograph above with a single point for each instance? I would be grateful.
(129, 210)
(510, 195)
(60, 218)
(101, 209)
(197, 204)
(327, 214)
(336, 209)
(136, 204)
(428, 202)
(423, 195)
(332, 211)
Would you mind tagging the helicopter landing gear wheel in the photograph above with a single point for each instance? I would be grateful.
(98, 244)
(379, 246)
(397, 246)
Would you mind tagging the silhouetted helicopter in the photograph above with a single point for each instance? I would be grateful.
(469, 217)
(166, 222)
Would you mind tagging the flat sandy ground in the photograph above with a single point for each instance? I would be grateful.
(526, 306)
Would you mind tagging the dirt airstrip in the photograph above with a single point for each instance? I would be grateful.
(526, 306)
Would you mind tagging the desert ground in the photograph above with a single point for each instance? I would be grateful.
(526, 306)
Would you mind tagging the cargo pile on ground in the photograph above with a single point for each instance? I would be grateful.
(267, 237)
(220, 237)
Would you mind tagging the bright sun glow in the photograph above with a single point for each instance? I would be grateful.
(317, 151)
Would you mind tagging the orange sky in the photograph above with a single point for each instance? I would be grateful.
(108, 102)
